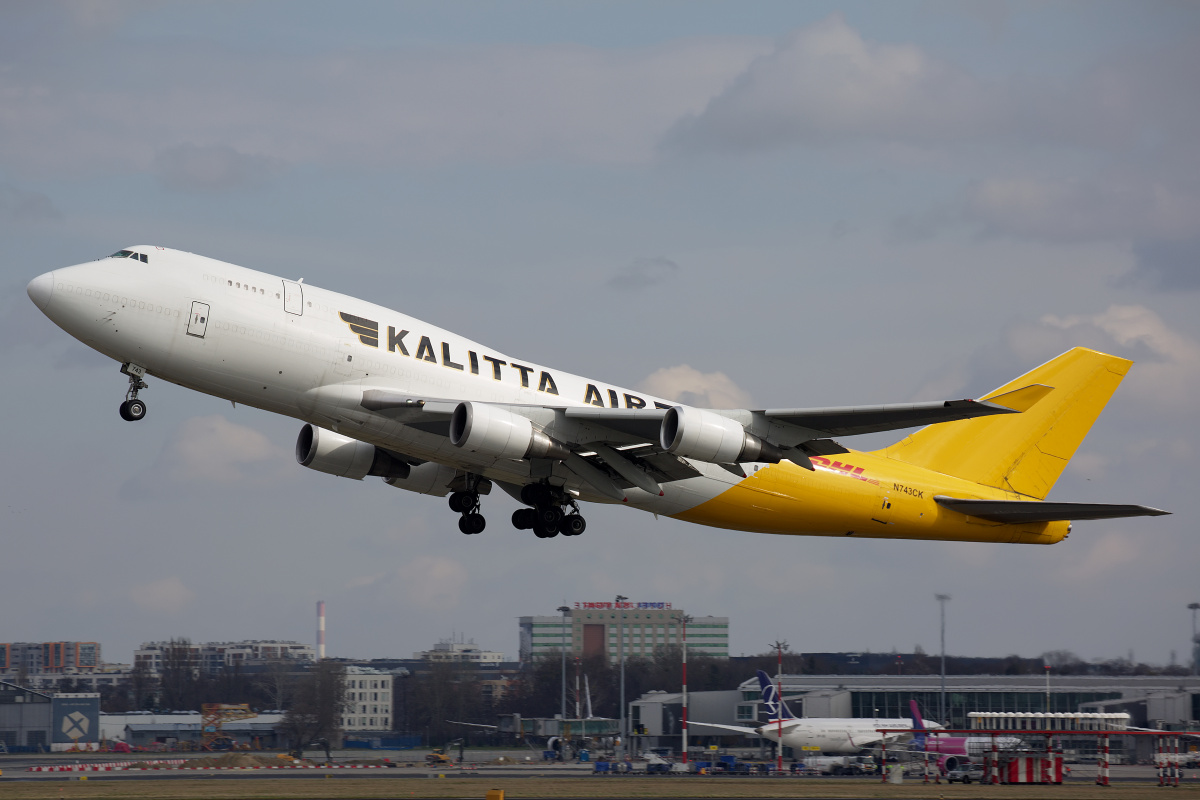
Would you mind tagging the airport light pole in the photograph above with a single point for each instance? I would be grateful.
(1047, 688)
(684, 619)
(942, 598)
(1195, 640)
(621, 656)
(779, 647)
(562, 718)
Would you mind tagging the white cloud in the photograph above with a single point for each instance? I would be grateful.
(1103, 557)
(213, 450)
(163, 596)
(825, 83)
(1073, 209)
(683, 384)
(433, 582)
(1169, 378)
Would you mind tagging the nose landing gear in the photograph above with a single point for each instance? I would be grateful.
(133, 409)
(547, 519)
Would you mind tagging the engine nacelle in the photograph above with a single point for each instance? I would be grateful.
(492, 431)
(705, 436)
(947, 763)
(428, 478)
(334, 454)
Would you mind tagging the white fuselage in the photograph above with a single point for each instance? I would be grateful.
(833, 735)
(285, 347)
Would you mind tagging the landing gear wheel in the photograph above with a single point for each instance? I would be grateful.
(524, 519)
(572, 525)
(472, 523)
(535, 494)
(549, 517)
(544, 531)
(463, 502)
(134, 409)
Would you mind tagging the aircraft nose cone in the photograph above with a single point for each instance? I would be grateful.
(40, 289)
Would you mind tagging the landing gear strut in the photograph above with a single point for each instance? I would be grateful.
(133, 409)
(466, 502)
(547, 518)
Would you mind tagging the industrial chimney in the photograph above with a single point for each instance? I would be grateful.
(320, 629)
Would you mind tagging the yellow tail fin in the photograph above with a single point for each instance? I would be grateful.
(1024, 452)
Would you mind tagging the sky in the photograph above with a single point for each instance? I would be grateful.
(771, 204)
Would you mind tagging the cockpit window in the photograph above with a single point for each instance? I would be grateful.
(145, 259)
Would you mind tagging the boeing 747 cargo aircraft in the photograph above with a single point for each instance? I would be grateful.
(385, 394)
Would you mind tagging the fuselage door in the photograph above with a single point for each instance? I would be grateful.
(883, 503)
(293, 298)
(198, 321)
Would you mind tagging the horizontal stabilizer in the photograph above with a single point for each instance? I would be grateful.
(1016, 511)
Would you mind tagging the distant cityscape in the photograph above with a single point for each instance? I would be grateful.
(597, 646)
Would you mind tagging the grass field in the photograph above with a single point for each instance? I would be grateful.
(337, 788)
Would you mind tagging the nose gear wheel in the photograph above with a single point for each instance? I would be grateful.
(133, 409)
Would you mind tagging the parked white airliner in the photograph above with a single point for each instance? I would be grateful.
(385, 394)
(835, 735)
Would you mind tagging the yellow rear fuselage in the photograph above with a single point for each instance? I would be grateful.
(863, 494)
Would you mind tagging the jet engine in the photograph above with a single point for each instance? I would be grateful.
(705, 436)
(332, 453)
(947, 763)
(492, 431)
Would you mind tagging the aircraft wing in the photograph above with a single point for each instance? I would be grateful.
(736, 728)
(614, 449)
(1015, 511)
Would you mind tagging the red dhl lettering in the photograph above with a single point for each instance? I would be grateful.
(848, 469)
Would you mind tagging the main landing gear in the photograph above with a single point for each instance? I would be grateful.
(133, 409)
(465, 500)
(547, 519)
(467, 504)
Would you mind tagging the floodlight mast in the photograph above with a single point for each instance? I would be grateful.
(1195, 640)
(684, 619)
(621, 655)
(942, 598)
(779, 647)
(562, 719)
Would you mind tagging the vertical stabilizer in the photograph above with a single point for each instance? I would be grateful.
(772, 702)
(918, 739)
(1026, 452)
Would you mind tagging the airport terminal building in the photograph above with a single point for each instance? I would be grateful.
(591, 628)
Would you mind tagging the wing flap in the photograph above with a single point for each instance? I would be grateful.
(640, 424)
(1018, 511)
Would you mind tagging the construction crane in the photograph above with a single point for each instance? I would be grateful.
(213, 718)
